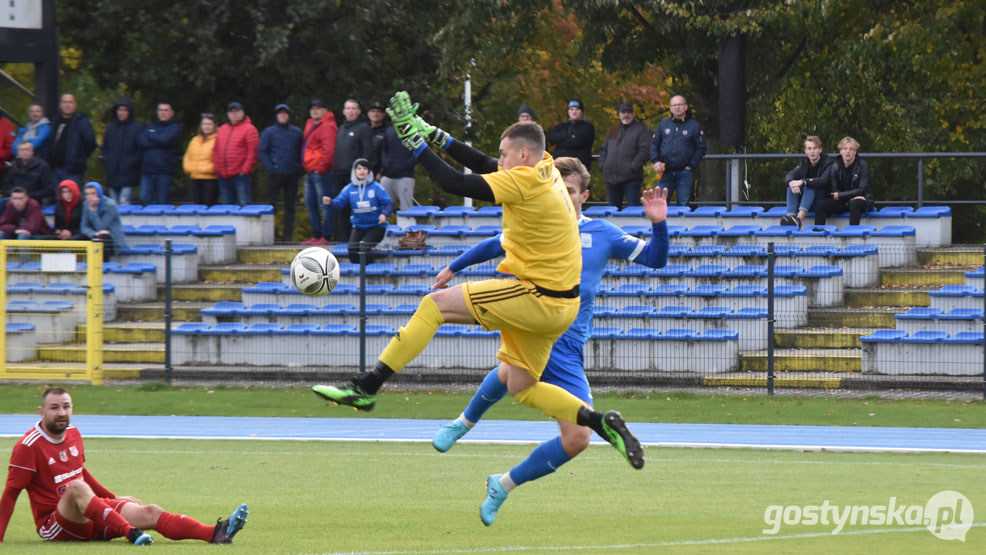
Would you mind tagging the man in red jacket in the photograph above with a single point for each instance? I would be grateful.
(8, 133)
(22, 218)
(235, 155)
(317, 153)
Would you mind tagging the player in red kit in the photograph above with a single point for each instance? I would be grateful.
(69, 504)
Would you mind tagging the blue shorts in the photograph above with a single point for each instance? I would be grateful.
(566, 368)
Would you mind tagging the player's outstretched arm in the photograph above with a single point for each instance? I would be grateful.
(655, 202)
(472, 158)
(7, 503)
(488, 249)
(655, 253)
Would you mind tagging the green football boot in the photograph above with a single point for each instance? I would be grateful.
(349, 394)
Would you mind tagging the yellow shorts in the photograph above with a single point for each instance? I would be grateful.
(529, 322)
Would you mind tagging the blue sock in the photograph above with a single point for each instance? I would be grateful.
(543, 460)
(489, 392)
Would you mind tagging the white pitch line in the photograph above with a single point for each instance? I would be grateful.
(710, 541)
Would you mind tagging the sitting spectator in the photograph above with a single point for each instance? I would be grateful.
(101, 220)
(37, 131)
(803, 183)
(280, 153)
(22, 217)
(68, 212)
(849, 186)
(370, 205)
(159, 143)
(235, 156)
(121, 151)
(198, 163)
(31, 173)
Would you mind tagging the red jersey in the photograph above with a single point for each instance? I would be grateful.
(44, 467)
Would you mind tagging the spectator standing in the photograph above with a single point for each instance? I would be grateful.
(159, 144)
(22, 217)
(101, 220)
(622, 158)
(73, 142)
(354, 140)
(280, 153)
(525, 113)
(849, 186)
(370, 206)
(810, 179)
(198, 163)
(121, 152)
(31, 173)
(378, 128)
(235, 155)
(318, 150)
(677, 148)
(575, 137)
(68, 212)
(397, 169)
(37, 131)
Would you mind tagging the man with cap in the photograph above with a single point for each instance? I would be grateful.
(318, 149)
(575, 137)
(280, 153)
(235, 155)
(676, 149)
(622, 158)
(525, 112)
(377, 127)
(159, 143)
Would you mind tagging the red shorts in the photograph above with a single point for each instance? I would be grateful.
(57, 528)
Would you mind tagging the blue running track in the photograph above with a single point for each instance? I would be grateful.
(831, 438)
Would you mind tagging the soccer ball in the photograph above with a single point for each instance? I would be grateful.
(314, 272)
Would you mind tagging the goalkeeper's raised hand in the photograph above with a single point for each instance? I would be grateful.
(404, 112)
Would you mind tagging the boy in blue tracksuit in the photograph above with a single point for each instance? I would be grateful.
(370, 205)
(601, 240)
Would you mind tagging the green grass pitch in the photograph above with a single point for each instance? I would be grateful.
(331, 497)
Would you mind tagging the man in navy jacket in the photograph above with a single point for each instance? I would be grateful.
(159, 145)
(73, 143)
(121, 153)
(676, 149)
(280, 152)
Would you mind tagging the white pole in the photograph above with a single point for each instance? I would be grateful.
(467, 101)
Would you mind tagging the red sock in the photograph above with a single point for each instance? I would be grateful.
(181, 527)
(112, 524)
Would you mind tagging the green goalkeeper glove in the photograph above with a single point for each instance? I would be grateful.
(403, 112)
(410, 137)
(436, 135)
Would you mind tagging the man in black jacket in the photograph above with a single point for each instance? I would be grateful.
(622, 158)
(575, 137)
(354, 140)
(32, 174)
(73, 142)
(849, 188)
(121, 153)
(811, 178)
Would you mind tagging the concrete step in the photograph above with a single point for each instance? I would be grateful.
(839, 317)
(112, 352)
(240, 273)
(804, 360)
(820, 338)
(280, 254)
(132, 332)
(206, 292)
(923, 277)
(759, 380)
(961, 255)
(903, 297)
(182, 311)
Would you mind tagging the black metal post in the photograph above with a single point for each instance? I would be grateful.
(362, 306)
(167, 310)
(770, 319)
(920, 182)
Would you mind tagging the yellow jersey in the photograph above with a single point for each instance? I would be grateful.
(540, 231)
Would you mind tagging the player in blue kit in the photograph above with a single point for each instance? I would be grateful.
(601, 240)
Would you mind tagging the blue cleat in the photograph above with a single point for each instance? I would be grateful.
(138, 537)
(226, 529)
(446, 437)
(495, 496)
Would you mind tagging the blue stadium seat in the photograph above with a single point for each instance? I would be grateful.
(884, 336)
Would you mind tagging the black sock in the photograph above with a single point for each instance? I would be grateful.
(592, 419)
(371, 381)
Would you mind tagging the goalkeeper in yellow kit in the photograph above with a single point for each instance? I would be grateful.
(543, 253)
